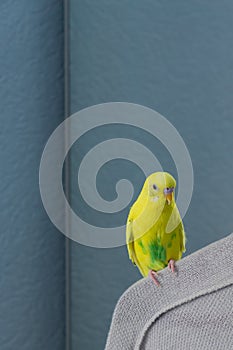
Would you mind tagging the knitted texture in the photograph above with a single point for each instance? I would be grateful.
(193, 310)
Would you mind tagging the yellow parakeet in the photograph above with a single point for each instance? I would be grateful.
(155, 234)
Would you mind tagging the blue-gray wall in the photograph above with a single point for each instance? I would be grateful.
(32, 312)
(177, 58)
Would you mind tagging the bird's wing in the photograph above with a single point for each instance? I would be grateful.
(129, 233)
(182, 237)
(176, 220)
(130, 240)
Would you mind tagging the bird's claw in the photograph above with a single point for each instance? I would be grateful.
(171, 265)
(153, 275)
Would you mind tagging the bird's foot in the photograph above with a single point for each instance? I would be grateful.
(171, 265)
(153, 275)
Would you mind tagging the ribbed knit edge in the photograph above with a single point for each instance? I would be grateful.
(153, 319)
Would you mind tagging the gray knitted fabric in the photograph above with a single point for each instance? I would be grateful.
(193, 310)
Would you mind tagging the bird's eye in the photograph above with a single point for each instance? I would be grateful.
(155, 187)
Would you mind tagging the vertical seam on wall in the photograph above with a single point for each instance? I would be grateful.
(66, 136)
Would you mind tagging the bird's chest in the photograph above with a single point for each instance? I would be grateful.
(158, 246)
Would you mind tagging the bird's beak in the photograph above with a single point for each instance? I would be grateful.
(168, 198)
(168, 192)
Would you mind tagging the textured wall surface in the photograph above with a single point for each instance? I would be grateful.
(176, 57)
(31, 250)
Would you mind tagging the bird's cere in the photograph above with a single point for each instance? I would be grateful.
(168, 190)
(168, 194)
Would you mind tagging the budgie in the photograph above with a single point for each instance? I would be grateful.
(151, 245)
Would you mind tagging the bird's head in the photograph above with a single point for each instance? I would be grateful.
(161, 186)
